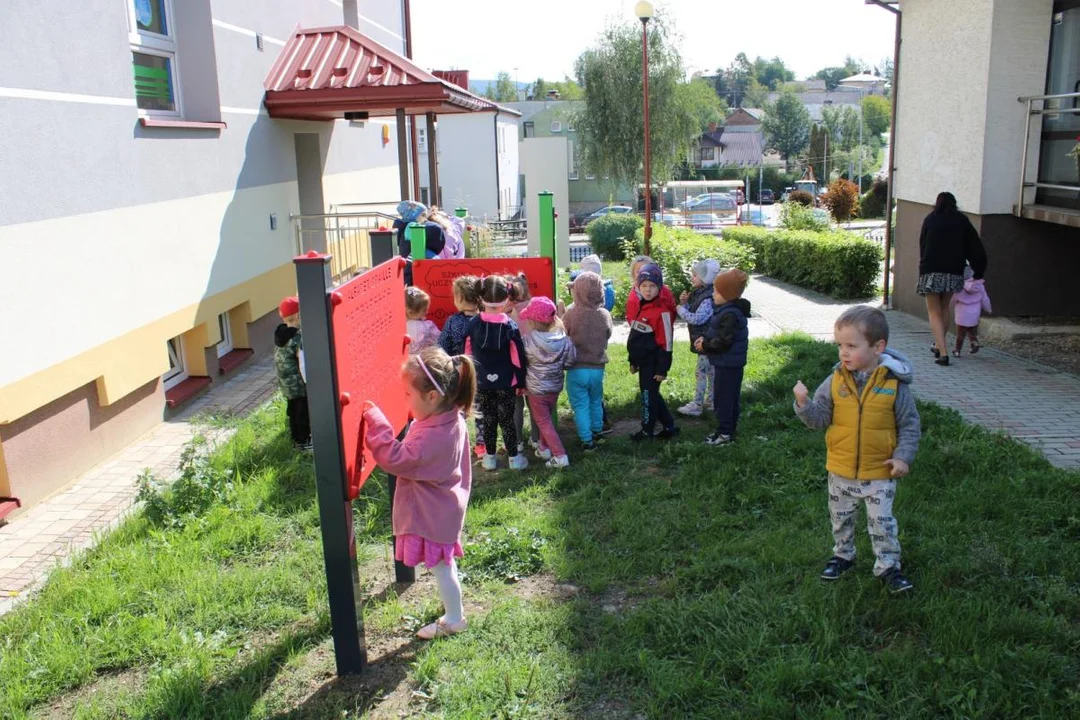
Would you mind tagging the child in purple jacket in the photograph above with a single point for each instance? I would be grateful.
(968, 306)
(434, 473)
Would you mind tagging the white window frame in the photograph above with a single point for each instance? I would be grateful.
(149, 43)
(589, 176)
(502, 139)
(178, 372)
(421, 139)
(572, 159)
(226, 345)
(569, 127)
(556, 126)
(712, 154)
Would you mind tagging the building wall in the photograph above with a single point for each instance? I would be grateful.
(116, 237)
(543, 162)
(971, 60)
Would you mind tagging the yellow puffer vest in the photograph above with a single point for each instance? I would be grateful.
(862, 435)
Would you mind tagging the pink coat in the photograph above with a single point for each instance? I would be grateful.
(970, 303)
(434, 472)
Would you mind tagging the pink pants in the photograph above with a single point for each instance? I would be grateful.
(542, 410)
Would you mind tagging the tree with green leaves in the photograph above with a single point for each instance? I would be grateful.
(700, 99)
(744, 83)
(503, 91)
(539, 89)
(877, 114)
(756, 96)
(611, 124)
(787, 126)
(771, 74)
(833, 75)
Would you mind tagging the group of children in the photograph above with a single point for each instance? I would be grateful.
(502, 345)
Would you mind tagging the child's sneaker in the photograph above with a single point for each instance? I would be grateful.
(641, 435)
(519, 462)
(718, 438)
(490, 462)
(607, 429)
(836, 567)
(558, 462)
(896, 581)
(691, 409)
(543, 453)
(521, 448)
(589, 446)
(668, 433)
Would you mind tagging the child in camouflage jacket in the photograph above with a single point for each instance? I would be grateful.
(287, 362)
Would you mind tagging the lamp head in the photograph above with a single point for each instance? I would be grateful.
(644, 10)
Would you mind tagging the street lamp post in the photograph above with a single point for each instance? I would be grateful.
(644, 11)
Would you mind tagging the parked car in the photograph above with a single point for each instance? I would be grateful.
(767, 197)
(713, 202)
(582, 220)
(704, 221)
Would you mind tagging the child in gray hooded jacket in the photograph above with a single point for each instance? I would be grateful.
(549, 352)
(872, 438)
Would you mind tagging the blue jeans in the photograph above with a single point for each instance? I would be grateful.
(585, 387)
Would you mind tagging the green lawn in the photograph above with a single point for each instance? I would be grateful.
(671, 580)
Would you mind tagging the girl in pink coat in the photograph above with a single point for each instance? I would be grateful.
(434, 472)
(968, 306)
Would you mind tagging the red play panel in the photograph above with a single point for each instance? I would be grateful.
(368, 318)
(436, 278)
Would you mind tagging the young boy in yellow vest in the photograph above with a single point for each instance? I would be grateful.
(872, 438)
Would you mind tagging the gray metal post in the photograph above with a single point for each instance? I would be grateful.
(335, 509)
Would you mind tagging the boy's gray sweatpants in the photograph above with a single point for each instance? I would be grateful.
(845, 496)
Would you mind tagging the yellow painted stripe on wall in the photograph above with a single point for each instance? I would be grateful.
(126, 363)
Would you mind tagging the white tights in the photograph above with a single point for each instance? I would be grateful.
(446, 577)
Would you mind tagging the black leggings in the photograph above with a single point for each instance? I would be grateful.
(653, 407)
(497, 407)
(299, 425)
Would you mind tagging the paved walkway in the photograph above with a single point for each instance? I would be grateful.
(50, 532)
(1030, 402)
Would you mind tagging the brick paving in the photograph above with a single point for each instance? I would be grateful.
(49, 533)
(1027, 401)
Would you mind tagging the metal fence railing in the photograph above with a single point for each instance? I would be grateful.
(344, 236)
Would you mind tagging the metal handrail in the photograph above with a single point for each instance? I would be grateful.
(1032, 111)
(344, 215)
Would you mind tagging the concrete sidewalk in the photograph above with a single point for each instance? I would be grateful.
(49, 533)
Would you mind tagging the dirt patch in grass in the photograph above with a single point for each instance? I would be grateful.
(544, 587)
(1061, 352)
(102, 690)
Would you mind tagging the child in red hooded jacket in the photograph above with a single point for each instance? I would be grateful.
(650, 349)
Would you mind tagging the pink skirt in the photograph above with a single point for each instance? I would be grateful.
(413, 549)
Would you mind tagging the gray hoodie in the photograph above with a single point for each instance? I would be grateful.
(817, 413)
(549, 354)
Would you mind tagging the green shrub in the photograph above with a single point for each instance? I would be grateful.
(796, 216)
(837, 263)
(873, 202)
(608, 233)
(676, 249)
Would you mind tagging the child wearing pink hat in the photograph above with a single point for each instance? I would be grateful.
(548, 354)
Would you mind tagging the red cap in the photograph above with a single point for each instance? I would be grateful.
(289, 306)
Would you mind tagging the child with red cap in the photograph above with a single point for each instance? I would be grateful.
(288, 361)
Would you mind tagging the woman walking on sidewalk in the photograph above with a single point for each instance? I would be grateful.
(948, 241)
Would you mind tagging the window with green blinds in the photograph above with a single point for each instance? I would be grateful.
(153, 82)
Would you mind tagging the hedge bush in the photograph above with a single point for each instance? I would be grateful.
(873, 202)
(838, 263)
(676, 249)
(608, 233)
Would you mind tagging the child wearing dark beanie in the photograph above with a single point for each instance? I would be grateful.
(725, 344)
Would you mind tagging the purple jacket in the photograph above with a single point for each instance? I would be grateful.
(971, 302)
(434, 472)
(455, 243)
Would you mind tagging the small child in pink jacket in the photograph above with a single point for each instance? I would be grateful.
(434, 473)
(968, 306)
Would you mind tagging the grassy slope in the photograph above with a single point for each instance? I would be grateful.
(697, 568)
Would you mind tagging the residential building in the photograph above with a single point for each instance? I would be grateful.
(722, 146)
(478, 159)
(864, 83)
(970, 60)
(744, 119)
(816, 102)
(149, 172)
(555, 118)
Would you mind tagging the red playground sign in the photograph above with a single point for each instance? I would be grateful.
(368, 319)
(436, 278)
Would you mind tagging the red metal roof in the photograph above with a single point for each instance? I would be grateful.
(323, 73)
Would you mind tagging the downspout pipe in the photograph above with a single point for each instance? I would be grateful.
(498, 180)
(890, 194)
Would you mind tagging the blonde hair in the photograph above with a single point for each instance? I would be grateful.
(869, 321)
(416, 301)
(455, 375)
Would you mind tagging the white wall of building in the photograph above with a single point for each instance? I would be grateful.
(544, 164)
(960, 127)
(509, 161)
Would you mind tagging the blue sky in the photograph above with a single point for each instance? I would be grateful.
(485, 36)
